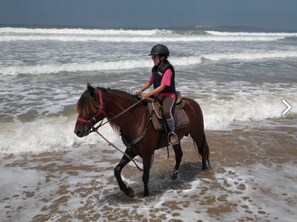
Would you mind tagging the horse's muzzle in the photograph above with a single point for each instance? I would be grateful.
(83, 132)
(79, 133)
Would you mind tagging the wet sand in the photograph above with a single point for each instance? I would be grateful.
(253, 178)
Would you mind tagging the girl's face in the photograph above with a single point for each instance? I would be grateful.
(156, 59)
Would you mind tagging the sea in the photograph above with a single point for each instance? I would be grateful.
(244, 81)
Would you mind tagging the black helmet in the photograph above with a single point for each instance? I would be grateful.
(160, 50)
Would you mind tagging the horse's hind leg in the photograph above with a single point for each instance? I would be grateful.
(203, 149)
(178, 157)
(117, 173)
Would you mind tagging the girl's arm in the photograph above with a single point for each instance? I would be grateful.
(154, 92)
(145, 86)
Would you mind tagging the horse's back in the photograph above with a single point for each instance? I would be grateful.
(193, 111)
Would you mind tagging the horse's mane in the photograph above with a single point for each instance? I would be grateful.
(129, 97)
(124, 93)
(86, 104)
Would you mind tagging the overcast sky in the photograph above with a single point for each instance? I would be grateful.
(269, 14)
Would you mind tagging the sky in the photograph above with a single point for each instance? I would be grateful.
(268, 14)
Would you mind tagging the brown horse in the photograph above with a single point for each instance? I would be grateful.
(95, 104)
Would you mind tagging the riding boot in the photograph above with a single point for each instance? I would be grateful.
(172, 137)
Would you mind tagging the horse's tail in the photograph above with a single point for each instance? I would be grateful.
(196, 130)
(203, 150)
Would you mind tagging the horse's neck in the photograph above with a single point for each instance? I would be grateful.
(129, 122)
(117, 103)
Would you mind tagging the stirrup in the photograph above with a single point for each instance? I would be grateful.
(173, 139)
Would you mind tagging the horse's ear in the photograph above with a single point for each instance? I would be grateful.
(91, 89)
(89, 85)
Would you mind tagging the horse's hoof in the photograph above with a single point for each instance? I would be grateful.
(129, 192)
(204, 168)
(174, 175)
(146, 194)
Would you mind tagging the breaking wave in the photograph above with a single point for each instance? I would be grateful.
(63, 38)
(56, 133)
(141, 63)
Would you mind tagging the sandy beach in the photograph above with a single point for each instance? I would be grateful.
(253, 178)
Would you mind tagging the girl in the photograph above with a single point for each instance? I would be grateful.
(163, 79)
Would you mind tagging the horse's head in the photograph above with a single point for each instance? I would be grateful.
(90, 111)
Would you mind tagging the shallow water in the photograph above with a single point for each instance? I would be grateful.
(239, 79)
(253, 178)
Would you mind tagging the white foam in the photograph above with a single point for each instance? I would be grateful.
(253, 34)
(247, 56)
(56, 133)
(15, 181)
(220, 114)
(48, 134)
(123, 32)
(142, 63)
(75, 67)
(256, 181)
(95, 66)
(174, 38)
(79, 31)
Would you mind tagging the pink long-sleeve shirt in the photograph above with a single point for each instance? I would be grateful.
(166, 80)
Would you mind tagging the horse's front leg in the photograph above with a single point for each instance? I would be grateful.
(117, 173)
(146, 174)
(178, 157)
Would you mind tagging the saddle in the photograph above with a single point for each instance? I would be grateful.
(180, 117)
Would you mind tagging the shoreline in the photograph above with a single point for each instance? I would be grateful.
(79, 183)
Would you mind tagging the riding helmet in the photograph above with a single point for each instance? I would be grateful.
(160, 49)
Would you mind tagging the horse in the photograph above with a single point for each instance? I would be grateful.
(96, 104)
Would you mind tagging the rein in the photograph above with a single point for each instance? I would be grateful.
(118, 115)
(102, 113)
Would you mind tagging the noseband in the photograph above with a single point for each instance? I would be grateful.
(99, 114)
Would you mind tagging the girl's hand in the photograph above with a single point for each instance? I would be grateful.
(144, 95)
(138, 92)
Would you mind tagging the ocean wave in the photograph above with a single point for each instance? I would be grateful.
(220, 114)
(139, 32)
(142, 63)
(56, 133)
(121, 35)
(253, 34)
(94, 66)
(75, 67)
(250, 55)
(79, 31)
(165, 38)
(47, 134)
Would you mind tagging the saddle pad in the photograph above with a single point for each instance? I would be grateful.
(180, 118)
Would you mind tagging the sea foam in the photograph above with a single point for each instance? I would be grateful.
(56, 133)
(79, 31)
(47, 134)
(153, 39)
(142, 63)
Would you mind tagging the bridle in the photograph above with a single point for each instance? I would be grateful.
(101, 114)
